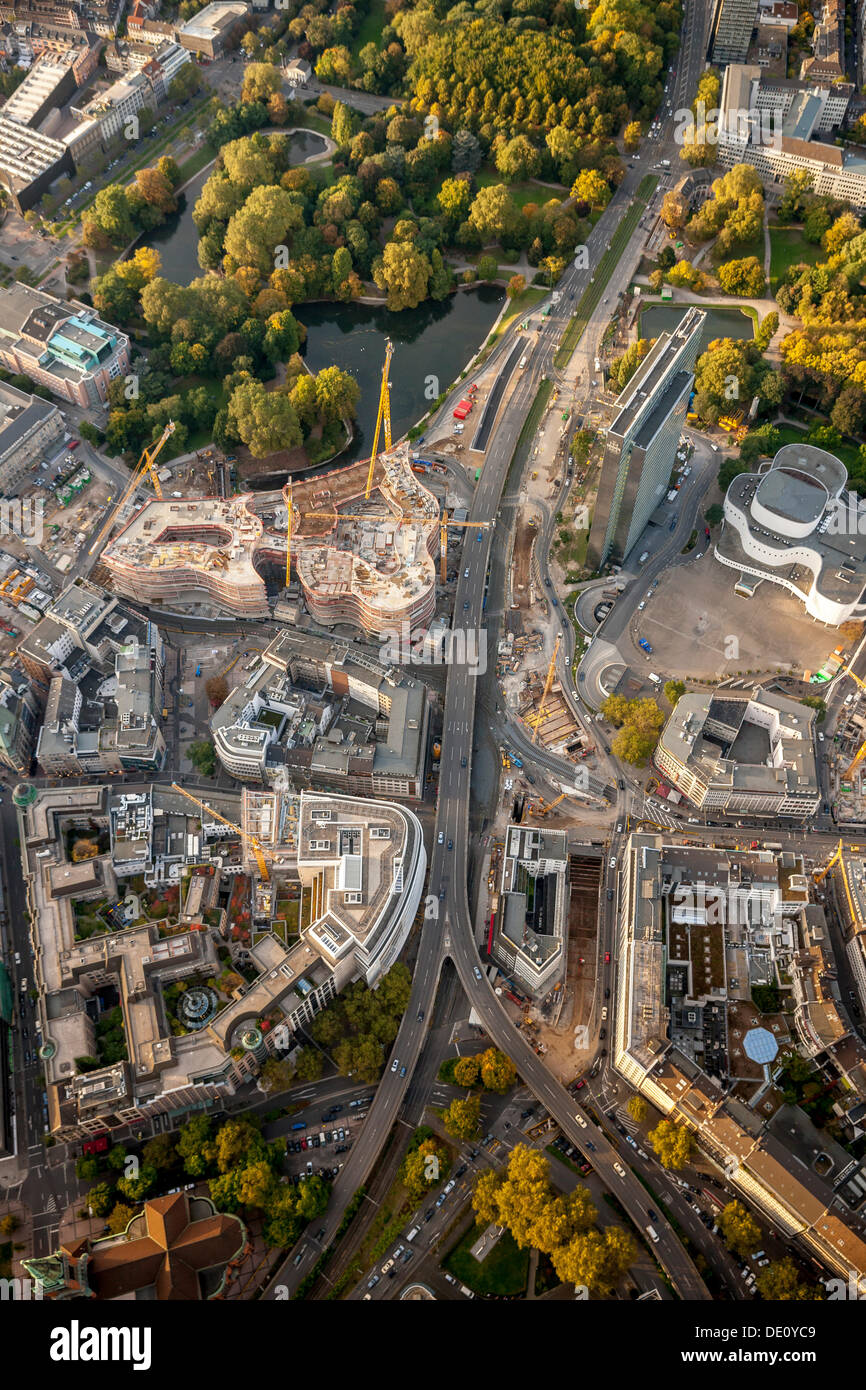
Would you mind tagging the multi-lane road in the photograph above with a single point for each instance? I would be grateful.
(448, 931)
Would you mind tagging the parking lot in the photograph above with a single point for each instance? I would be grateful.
(699, 628)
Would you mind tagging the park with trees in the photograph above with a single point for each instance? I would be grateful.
(562, 1226)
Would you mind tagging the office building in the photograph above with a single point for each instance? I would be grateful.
(29, 164)
(30, 429)
(698, 929)
(214, 28)
(325, 714)
(19, 721)
(86, 731)
(178, 1247)
(356, 869)
(531, 930)
(642, 441)
(796, 525)
(742, 755)
(733, 23)
(774, 126)
(84, 627)
(49, 84)
(62, 345)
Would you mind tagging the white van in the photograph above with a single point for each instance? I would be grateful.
(522, 363)
(656, 680)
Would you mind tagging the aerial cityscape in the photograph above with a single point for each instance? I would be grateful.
(433, 659)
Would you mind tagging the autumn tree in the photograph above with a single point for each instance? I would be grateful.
(637, 1108)
(120, 1218)
(780, 1282)
(516, 285)
(740, 1230)
(462, 1118)
(424, 1167)
(597, 1260)
(216, 689)
(498, 1072)
(264, 420)
(466, 1070)
(404, 273)
(673, 1144)
(261, 80)
(591, 187)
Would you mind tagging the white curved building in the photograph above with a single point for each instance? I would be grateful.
(795, 525)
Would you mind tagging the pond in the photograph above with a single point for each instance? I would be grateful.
(721, 323)
(177, 239)
(432, 345)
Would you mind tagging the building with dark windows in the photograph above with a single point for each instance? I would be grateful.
(733, 23)
(642, 441)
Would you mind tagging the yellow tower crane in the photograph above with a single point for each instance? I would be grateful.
(256, 846)
(335, 516)
(846, 671)
(855, 762)
(541, 809)
(143, 468)
(551, 672)
(821, 874)
(383, 416)
(290, 509)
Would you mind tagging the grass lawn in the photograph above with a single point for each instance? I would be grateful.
(525, 302)
(504, 1271)
(313, 120)
(794, 434)
(196, 162)
(788, 247)
(522, 193)
(593, 292)
(372, 26)
(755, 248)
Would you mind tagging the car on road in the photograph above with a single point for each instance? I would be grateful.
(466, 603)
(610, 895)
(463, 761)
(476, 972)
(673, 525)
(371, 1283)
(440, 1199)
(466, 572)
(429, 1213)
(612, 864)
(395, 1064)
(607, 957)
(440, 839)
(581, 1121)
(420, 1015)
(621, 784)
(618, 1168)
(402, 1071)
(450, 844)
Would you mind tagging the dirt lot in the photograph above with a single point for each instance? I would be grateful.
(564, 1058)
(699, 628)
(523, 543)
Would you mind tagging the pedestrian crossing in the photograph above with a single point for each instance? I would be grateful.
(625, 1119)
(656, 813)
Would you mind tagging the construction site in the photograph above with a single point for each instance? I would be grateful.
(847, 755)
